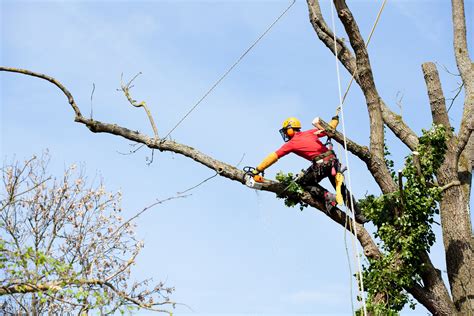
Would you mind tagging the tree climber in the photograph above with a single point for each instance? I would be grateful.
(306, 144)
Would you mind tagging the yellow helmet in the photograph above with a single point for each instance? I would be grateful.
(292, 122)
(289, 126)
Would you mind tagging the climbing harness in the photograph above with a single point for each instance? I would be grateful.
(325, 164)
(229, 69)
(326, 156)
(329, 144)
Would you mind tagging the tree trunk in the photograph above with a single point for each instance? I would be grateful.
(457, 233)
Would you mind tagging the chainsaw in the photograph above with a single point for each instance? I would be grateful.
(253, 180)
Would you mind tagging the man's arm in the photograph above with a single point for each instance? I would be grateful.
(321, 132)
(267, 162)
(274, 156)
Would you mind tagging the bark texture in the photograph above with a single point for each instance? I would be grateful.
(457, 229)
(455, 206)
(455, 203)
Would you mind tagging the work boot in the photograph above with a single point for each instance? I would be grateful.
(359, 217)
(316, 191)
(329, 201)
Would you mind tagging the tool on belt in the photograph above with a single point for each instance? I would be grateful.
(329, 160)
(326, 160)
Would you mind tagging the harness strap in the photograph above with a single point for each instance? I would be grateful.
(324, 157)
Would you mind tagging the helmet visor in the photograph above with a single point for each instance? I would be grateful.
(284, 135)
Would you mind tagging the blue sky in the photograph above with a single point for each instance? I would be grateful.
(227, 249)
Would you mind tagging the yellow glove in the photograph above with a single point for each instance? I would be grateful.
(334, 122)
(339, 181)
(267, 162)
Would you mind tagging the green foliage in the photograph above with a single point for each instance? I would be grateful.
(293, 191)
(403, 224)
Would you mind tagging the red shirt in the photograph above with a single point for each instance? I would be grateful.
(304, 144)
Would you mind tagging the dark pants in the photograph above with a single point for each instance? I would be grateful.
(317, 172)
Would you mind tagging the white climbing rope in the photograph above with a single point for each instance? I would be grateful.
(355, 249)
(366, 45)
(341, 109)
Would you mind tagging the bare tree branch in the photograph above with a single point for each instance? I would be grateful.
(436, 96)
(360, 151)
(458, 92)
(50, 79)
(126, 90)
(434, 288)
(461, 52)
(466, 69)
(223, 169)
(366, 80)
(463, 138)
(449, 185)
(393, 121)
(327, 36)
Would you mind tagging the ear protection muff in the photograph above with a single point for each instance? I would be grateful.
(290, 131)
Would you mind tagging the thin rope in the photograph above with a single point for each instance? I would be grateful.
(230, 69)
(366, 45)
(340, 108)
(339, 152)
(349, 264)
(349, 180)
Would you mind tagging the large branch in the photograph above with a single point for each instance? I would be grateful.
(469, 152)
(464, 137)
(327, 36)
(365, 80)
(393, 121)
(461, 52)
(436, 95)
(230, 172)
(399, 127)
(50, 79)
(223, 169)
(365, 77)
(466, 69)
(434, 294)
(378, 111)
